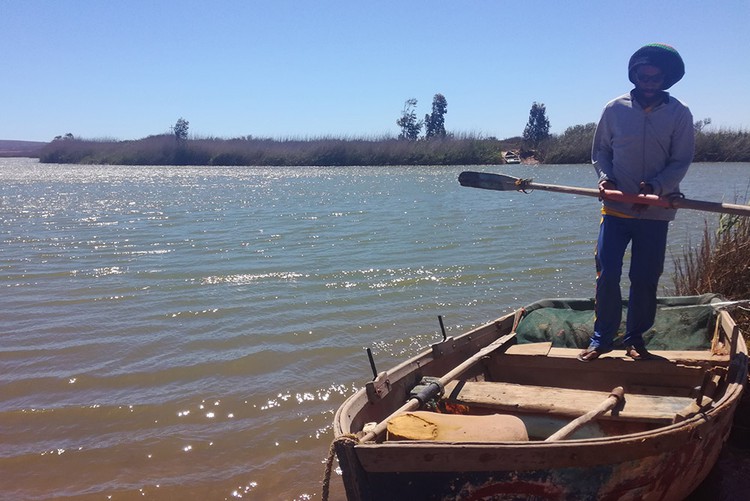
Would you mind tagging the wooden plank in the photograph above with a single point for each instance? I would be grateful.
(573, 353)
(657, 389)
(729, 328)
(540, 349)
(687, 357)
(508, 397)
(600, 375)
(677, 356)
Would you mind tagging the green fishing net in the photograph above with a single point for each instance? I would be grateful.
(682, 323)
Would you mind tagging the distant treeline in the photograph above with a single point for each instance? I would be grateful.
(571, 147)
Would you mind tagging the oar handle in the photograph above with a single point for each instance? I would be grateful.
(618, 196)
(612, 195)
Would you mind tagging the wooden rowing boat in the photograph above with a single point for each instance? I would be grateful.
(505, 411)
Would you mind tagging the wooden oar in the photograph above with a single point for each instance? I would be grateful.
(501, 182)
(614, 397)
(415, 402)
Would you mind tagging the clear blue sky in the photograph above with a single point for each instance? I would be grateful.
(275, 68)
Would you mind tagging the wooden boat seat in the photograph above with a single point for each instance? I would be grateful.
(674, 356)
(676, 373)
(517, 398)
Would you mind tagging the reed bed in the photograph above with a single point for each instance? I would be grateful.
(571, 147)
(165, 150)
(719, 264)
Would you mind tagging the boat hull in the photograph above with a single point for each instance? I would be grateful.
(627, 459)
(665, 466)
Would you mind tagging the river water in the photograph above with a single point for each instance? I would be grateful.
(188, 332)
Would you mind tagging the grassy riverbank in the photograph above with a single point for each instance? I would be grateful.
(571, 147)
(166, 150)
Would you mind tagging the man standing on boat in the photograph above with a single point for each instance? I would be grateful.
(644, 143)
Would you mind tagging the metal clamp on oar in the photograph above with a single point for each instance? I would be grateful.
(428, 389)
(523, 184)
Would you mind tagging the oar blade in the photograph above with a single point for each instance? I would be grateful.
(488, 181)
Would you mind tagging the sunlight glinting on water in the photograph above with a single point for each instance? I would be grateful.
(188, 332)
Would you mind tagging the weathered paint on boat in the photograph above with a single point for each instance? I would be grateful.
(664, 463)
(665, 466)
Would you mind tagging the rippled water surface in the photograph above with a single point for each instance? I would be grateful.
(188, 332)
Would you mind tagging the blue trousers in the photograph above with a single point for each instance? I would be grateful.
(648, 239)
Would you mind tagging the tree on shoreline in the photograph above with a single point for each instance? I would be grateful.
(537, 129)
(180, 129)
(434, 123)
(701, 124)
(410, 126)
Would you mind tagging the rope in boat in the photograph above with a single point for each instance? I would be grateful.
(348, 438)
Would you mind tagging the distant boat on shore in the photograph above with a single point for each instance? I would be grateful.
(511, 158)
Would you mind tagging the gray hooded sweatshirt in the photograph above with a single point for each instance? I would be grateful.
(634, 145)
